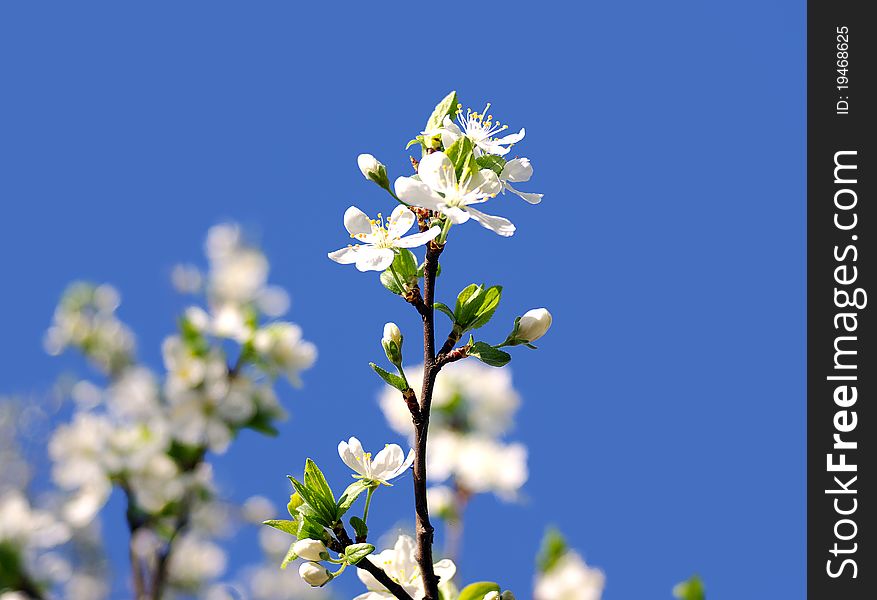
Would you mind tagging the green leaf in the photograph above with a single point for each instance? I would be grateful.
(405, 265)
(690, 590)
(447, 107)
(314, 506)
(460, 154)
(349, 496)
(309, 528)
(290, 556)
(553, 548)
(391, 379)
(491, 161)
(356, 552)
(489, 355)
(463, 298)
(477, 591)
(488, 303)
(359, 528)
(443, 308)
(286, 526)
(316, 481)
(417, 140)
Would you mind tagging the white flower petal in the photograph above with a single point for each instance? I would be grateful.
(512, 138)
(437, 171)
(374, 259)
(356, 221)
(488, 182)
(351, 454)
(418, 239)
(531, 198)
(517, 170)
(345, 256)
(446, 569)
(401, 220)
(456, 215)
(387, 461)
(499, 225)
(416, 193)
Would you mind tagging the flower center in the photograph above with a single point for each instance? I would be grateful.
(479, 126)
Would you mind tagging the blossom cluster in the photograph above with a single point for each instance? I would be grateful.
(148, 433)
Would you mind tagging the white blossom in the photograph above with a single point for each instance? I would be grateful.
(388, 464)
(379, 240)
(481, 129)
(25, 527)
(400, 565)
(438, 189)
(283, 350)
(570, 579)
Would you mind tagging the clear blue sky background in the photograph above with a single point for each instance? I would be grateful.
(665, 411)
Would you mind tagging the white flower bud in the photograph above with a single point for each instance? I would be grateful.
(310, 550)
(533, 324)
(373, 170)
(392, 333)
(392, 343)
(314, 574)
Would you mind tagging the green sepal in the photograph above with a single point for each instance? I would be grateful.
(477, 591)
(489, 355)
(356, 552)
(391, 379)
(359, 528)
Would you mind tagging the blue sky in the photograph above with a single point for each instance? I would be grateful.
(664, 412)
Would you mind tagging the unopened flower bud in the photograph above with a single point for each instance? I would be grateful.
(314, 574)
(392, 343)
(373, 170)
(533, 324)
(310, 550)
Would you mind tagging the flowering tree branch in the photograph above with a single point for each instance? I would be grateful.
(425, 530)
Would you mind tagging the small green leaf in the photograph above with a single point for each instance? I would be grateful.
(294, 502)
(552, 549)
(286, 526)
(443, 308)
(489, 355)
(309, 528)
(314, 506)
(349, 496)
(290, 556)
(356, 552)
(460, 154)
(405, 267)
(489, 302)
(393, 380)
(463, 300)
(477, 591)
(491, 161)
(316, 481)
(447, 107)
(359, 528)
(690, 590)
(417, 140)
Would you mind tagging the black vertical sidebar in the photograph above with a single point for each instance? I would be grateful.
(841, 365)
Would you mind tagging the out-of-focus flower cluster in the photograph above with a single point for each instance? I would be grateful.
(473, 407)
(148, 434)
(563, 574)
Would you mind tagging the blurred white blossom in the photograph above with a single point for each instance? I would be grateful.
(569, 579)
